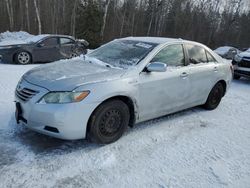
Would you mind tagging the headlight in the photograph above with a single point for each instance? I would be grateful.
(63, 97)
(237, 58)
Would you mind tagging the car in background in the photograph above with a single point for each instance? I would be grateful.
(227, 52)
(123, 82)
(43, 48)
(241, 63)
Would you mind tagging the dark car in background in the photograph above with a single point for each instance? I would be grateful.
(43, 48)
(227, 52)
(241, 63)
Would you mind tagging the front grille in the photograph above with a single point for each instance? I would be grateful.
(25, 94)
(244, 63)
(243, 72)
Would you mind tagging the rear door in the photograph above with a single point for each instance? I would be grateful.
(67, 47)
(47, 50)
(165, 92)
(203, 72)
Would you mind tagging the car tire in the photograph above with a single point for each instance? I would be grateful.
(23, 58)
(108, 122)
(236, 77)
(214, 97)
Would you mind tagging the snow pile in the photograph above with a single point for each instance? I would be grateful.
(9, 38)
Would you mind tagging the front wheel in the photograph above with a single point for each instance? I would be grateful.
(214, 97)
(108, 122)
(23, 58)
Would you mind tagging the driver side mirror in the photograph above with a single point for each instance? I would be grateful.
(40, 45)
(156, 67)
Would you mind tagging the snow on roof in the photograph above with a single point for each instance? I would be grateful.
(158, 40)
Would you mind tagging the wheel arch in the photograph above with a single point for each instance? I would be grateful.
(224, 84)
(127, 100)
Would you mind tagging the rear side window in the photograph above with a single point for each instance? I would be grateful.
(171, 55)
(66, 41)
(50, 42)
(197, 54)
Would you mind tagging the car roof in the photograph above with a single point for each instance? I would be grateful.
(156, 40)
(53, 35)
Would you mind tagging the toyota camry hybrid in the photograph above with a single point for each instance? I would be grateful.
(123, 82)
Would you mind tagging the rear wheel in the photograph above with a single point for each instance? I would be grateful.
(108, 122)
(23, 58)
(214, 97)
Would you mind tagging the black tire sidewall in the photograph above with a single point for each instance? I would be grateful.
(17, 61)
(94, 133)
(208, 104)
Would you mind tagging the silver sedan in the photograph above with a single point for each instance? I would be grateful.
(123, 82)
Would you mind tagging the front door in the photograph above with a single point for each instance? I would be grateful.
(47, 50)
(164, 92)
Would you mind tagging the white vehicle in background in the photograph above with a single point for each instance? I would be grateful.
(124, 82)
(227, 52)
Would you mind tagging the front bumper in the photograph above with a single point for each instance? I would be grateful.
(65, 121)
(242, 68)
(244, 72)
(6, 56)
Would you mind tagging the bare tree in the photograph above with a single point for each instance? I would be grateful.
(10, 14)
(38, 17)
(73, 19)
(27, 14)
(104, 18)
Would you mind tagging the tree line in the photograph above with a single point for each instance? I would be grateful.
(212, 22)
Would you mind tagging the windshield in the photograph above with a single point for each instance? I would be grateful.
(36, 38)
(122, 53)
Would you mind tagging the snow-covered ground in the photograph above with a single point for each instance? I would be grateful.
(193, 148)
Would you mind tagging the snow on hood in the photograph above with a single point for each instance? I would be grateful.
(12, 42)
(66, 75)
(244, 54)
(222, 50)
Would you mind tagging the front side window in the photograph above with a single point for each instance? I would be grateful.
(122, 53)
(50, 42)
(210, 58)
(171, 55)
(65, 41)
(196, 54)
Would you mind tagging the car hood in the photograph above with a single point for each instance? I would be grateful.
(13, 46)
(66, 75)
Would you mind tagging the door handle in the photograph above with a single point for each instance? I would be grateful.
(184, 75)
(215, 69)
